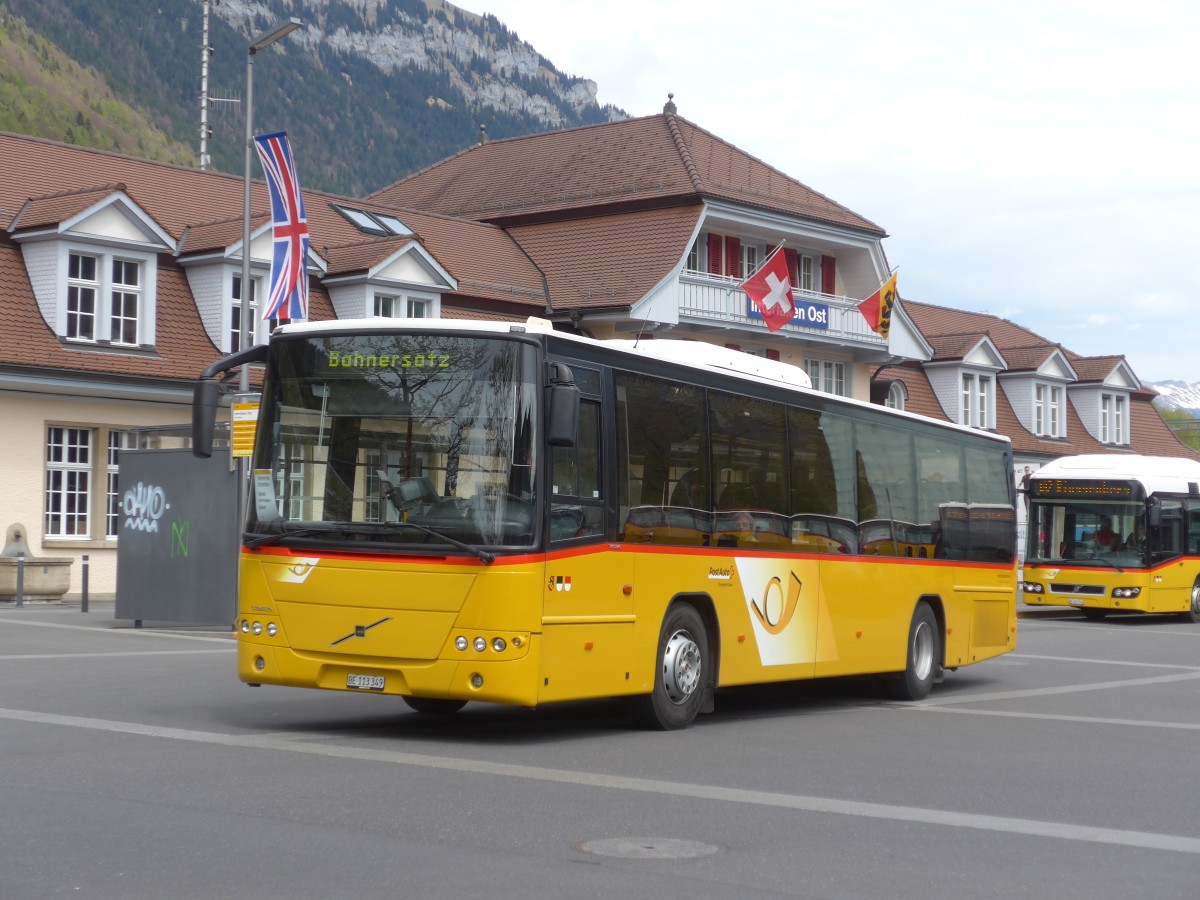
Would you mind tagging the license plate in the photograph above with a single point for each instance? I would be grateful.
(365, 682)
(1075, 602)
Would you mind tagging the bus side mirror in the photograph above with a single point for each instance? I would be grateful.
(564, 407)
(205, 397)
(1154, 514)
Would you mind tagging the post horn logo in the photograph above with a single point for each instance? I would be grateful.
(775, 611)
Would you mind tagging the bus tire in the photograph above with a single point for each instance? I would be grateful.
(682, 661)
(924, 658)
(1193, 613)
(433, 705)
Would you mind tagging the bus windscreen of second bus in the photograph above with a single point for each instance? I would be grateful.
(1079, 530)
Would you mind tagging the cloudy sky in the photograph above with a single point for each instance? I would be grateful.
(1039, 161)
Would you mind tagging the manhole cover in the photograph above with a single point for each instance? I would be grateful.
(647, 848)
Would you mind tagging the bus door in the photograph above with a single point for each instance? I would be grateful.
(587, 614)
(1166, 538)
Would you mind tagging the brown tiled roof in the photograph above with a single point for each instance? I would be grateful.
(609, 261)
(934, 320)
(1094, 368)
(952, 332)
(54, 208)
(953, 346)
(218, 235)
(654, 161)
(921, 398)
(1028, 359)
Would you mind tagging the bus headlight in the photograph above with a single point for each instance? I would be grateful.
(1127, 592)
(1030, 587)
(498, 644)
(460, 643)
(480, 644)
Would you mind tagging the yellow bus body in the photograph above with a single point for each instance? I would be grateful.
(1165, 588)
(585, 623)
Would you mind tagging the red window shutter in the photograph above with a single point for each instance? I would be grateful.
(714, 254)
(828, 275)
(772, 354)
(733, 257)
(793, 267)
(733, 346)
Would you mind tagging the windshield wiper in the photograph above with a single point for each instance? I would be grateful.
(262, 540)
(484, 555)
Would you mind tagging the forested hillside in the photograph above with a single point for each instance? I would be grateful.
(367, 92)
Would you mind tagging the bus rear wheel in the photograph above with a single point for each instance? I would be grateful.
(681, 669)
(433, 705)
(924, 658)
(1193, 613)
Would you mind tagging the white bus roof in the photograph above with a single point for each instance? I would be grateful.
(1169, 474)
(694, 354)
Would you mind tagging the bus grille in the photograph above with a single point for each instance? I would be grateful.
(1096, 590)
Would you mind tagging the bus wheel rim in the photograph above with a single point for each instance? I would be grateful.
(1196, 599)
(923, 651)
(681, 667)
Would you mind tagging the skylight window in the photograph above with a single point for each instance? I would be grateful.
(373, 223)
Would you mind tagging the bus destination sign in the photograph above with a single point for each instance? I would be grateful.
(1083, 489)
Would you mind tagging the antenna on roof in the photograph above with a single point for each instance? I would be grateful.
(669, 106)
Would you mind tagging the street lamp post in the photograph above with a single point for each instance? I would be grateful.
(264, 40)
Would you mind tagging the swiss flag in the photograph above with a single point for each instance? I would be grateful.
(771, 290)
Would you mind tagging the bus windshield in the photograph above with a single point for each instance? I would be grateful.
(1095, 531)
(414, 439)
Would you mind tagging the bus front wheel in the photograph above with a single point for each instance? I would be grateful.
(681, 668)
(924, 658)
(1193, 613)
(434, 705)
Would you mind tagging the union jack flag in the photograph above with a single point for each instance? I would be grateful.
(288, 296)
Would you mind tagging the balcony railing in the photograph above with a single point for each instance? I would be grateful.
(718, 299)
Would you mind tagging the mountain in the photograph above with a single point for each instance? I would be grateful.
(1178, 395)
(369, 90)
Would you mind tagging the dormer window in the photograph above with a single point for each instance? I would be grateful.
(1048, 410)
(1113, 419)
(105, 300)
(976, 408)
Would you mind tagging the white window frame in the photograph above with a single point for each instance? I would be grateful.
(105, 318)
(1113, 415)
(976, 399)
(79, 288)
(827, 375)
(125, 291)
(1039, 408)
(66, 504)
(749, 259)
(399, 305)
(1056, 411)
(257, 330)
(806, 269)
(117, 441)
(895, 397)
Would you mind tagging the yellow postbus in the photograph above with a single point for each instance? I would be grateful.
(454, 511)
(1110, 533)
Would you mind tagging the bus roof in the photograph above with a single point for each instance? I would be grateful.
(692, 354)
(1165, 474)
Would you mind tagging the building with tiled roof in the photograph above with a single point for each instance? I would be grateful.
(120, 280)
(988, 372)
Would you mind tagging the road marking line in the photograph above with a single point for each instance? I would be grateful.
(1087, 720)
(909, 814)
(1061, 689)
(1101, 662)
(138, 632)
